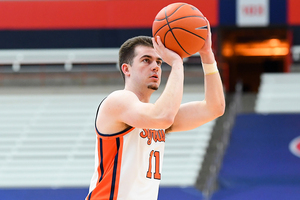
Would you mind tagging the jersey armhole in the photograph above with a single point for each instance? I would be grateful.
(125, 131)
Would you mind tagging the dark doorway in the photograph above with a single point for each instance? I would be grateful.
(249, 52)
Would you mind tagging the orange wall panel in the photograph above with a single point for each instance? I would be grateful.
(89, 14)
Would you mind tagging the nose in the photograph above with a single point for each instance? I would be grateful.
(155, 67)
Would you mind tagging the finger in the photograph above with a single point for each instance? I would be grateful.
(158, 45)
(153, 41)
(208, 29)
(155, 45)
(208, 24)
(159, 42)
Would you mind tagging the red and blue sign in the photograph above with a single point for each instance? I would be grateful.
(99, 24)
(295, 146)
(87, 14)
(90, 14)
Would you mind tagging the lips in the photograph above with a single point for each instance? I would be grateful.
(154, 76)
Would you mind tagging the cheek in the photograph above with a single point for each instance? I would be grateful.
(160, 73)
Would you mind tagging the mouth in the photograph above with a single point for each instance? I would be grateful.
(154, 76)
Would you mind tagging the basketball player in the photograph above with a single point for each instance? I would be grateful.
(131, 131)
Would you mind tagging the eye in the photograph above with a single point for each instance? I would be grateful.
(159, 62)
(146, 60)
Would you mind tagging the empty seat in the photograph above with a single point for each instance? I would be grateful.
(49, 141)
(279, 93)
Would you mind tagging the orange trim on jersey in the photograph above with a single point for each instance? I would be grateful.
(114, 135)
(109, 169)
(118, 172)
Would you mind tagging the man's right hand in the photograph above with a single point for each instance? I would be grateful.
(168, 56)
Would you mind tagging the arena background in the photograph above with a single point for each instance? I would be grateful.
(57, 61)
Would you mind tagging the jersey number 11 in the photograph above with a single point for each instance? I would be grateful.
(156, 173)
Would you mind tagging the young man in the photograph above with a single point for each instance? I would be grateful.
(131, 131)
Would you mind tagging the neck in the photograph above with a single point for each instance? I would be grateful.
(143, 94)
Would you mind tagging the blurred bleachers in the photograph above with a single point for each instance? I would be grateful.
(260, 162)
(279, 93)
(48, 140)
(67, 57)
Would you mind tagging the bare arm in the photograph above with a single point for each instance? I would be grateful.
(194, 114)
(123, 108)
(171, 97)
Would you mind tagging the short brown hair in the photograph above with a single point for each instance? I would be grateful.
(127, 50)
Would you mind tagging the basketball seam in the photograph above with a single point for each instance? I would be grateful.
(176, 20)
(172, 33)
(189, 32)
(173, 11)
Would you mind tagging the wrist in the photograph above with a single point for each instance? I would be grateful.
(207, 57)
(210, 68)
(177, 63)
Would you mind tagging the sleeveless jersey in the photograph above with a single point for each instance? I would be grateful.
(128, 165)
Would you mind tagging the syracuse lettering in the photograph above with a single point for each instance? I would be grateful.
(157, 135)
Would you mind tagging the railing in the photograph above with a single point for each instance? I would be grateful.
(221, 146)
(67, 57)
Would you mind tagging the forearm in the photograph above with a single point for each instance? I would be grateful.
(214, 94)
(169, 101)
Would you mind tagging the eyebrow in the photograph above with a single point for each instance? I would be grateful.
(147, 56)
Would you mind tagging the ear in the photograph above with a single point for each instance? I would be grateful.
(126, 69)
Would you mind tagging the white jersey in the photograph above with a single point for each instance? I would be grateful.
(128, 165)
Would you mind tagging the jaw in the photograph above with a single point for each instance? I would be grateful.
(153, 86)
(144, 91)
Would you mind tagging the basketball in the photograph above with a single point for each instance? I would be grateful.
(181, 27)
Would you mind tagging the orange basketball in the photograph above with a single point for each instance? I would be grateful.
(181, 27)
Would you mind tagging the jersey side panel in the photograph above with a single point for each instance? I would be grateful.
(109, 155)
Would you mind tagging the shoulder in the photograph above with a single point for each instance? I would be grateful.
(121, 93)
(118, 100)
(121, 96)
(108, 119)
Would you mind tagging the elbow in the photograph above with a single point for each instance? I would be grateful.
(166, 121)
(220, 110)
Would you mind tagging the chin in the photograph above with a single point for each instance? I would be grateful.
(153, 87)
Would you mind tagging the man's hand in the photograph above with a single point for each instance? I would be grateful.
(206, 53)
(168, 56)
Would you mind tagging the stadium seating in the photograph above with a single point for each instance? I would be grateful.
(67, 57)
(261, 161)
(279, 93)
(296, 52)
(48, 140)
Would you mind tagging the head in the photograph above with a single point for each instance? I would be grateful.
(127, 50)
(132, 48)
